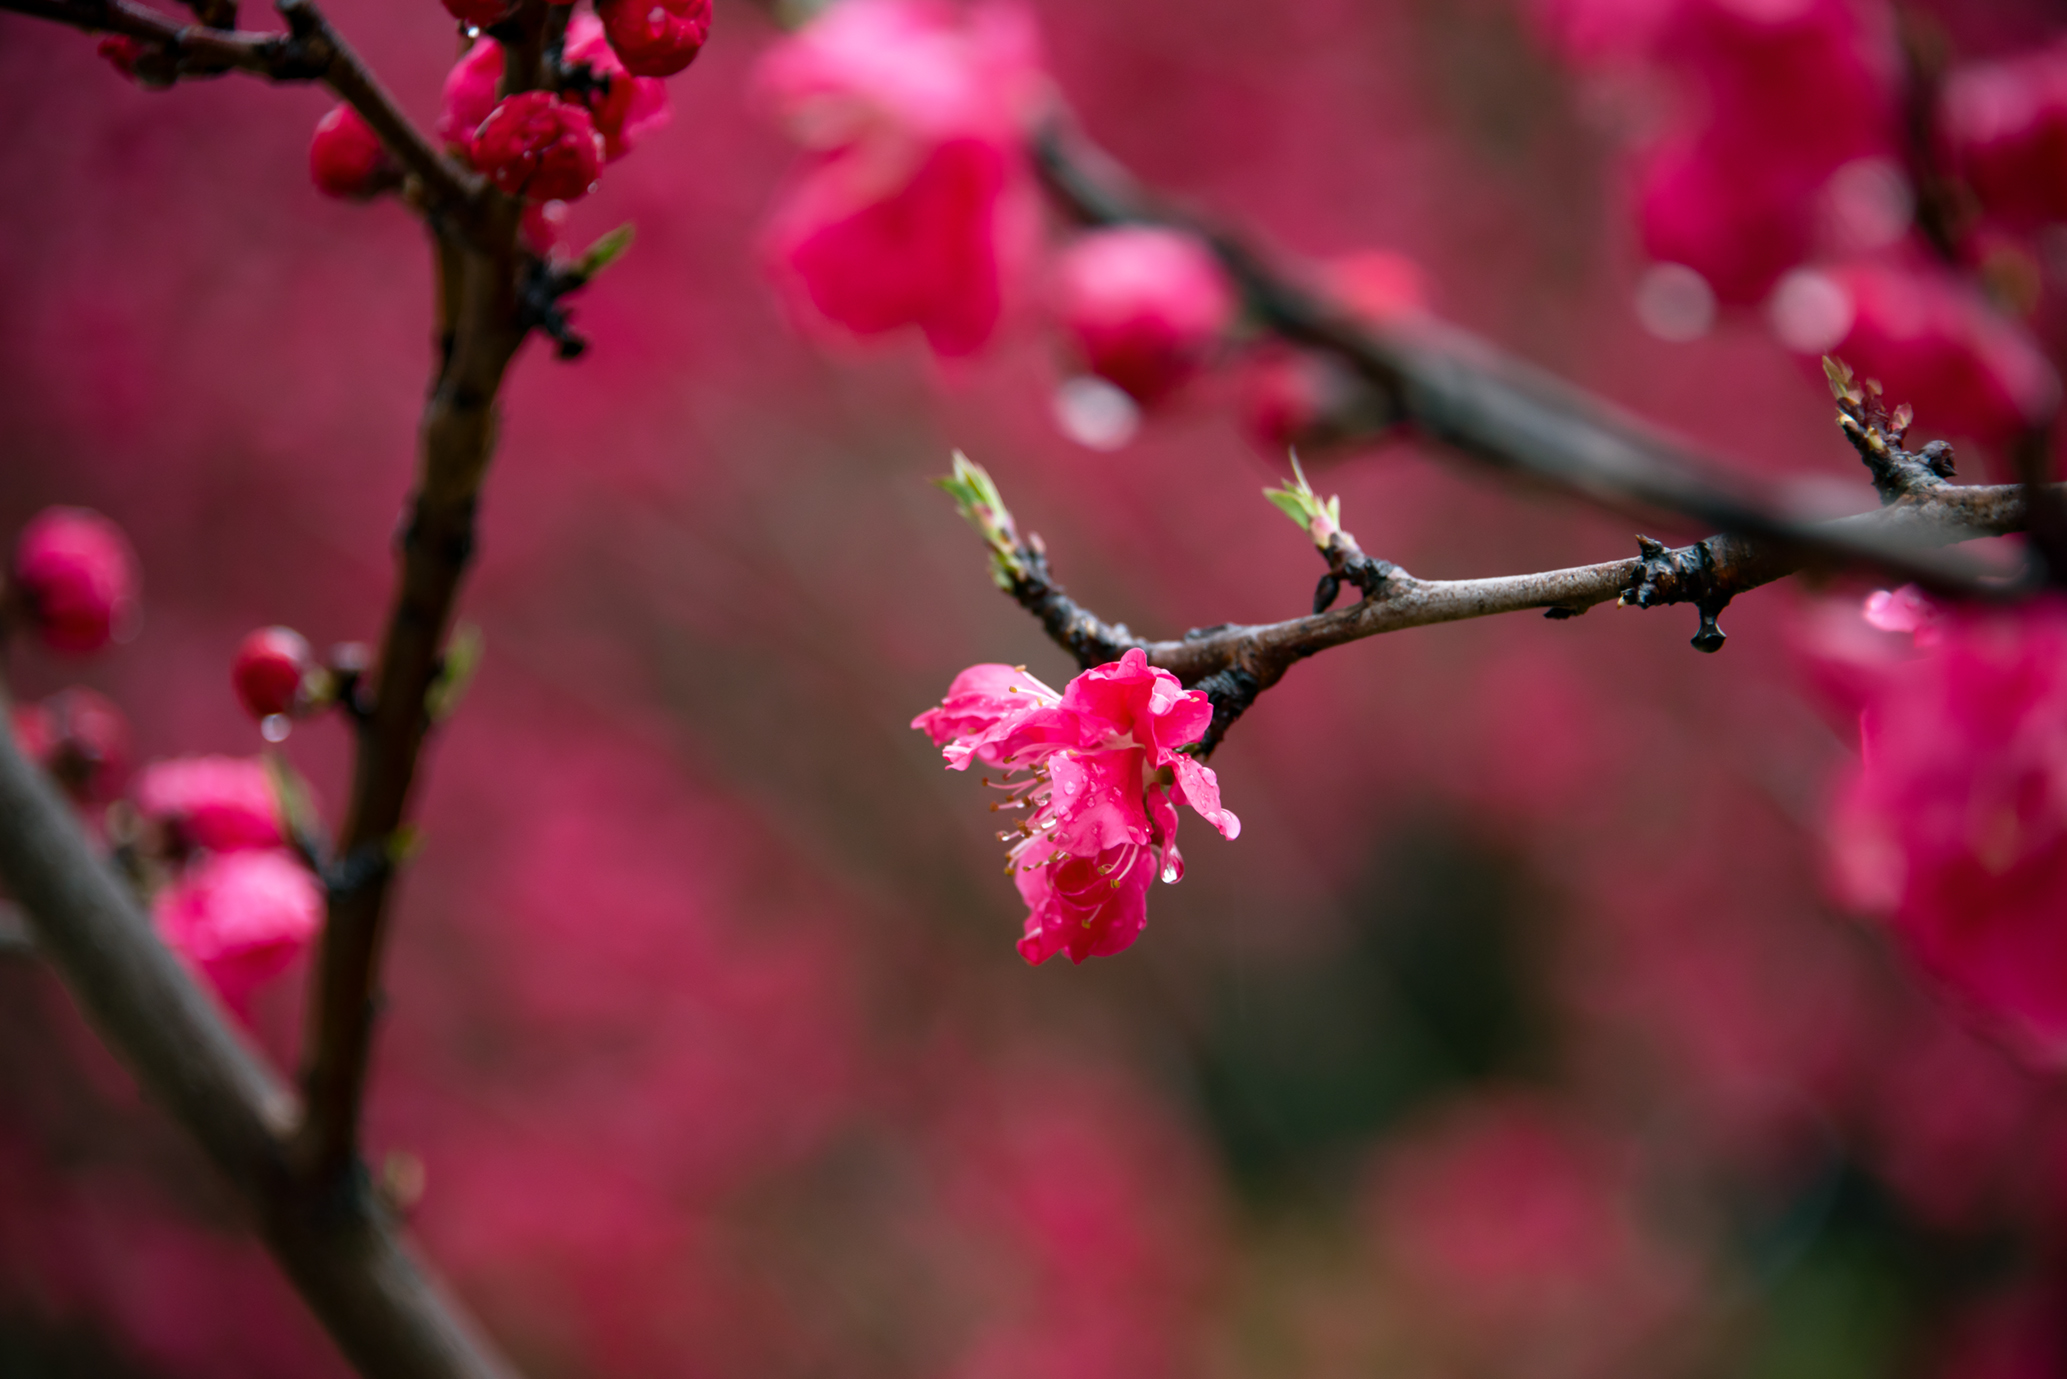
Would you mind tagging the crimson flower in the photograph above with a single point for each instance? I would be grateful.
(1101, 773)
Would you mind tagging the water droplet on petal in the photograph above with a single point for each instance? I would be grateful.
(1170, 873)
(274, 727)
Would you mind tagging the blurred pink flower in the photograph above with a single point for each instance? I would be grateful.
(1934, 343)
(1143, 305)
(1954, 824)
(218, 803)
(240, 917)
(75, 576)
(1777, 98)
(631, 106)
(469, 93)
(915, 206)
(2005, 124)
(1105, 777)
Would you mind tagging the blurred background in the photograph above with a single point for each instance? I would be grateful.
(1513, 1037)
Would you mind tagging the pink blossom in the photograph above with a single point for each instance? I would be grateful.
(631, 106)
(2006, 127)
(1144, 306)
(1105, 775)
(1954, 824)
(218, 803)
(1778, 98)
(469, 93)
(915, 205)
(76, 578)
(240, 917)
(1906, 609)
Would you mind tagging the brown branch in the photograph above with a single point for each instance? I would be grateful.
(388, 1316)
(311, 50)
(1462, 392)
(482, 318)
(1236, 663)
(457, 439)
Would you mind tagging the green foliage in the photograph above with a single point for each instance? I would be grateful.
(977, 499)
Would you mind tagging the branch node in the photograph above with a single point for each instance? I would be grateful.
(1231, 692)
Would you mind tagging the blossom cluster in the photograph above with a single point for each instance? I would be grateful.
(1098, 771)
(205, 835)
(916, 207)
(606, 89)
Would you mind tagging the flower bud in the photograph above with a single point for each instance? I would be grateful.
(270, 667)
(656, 38)
(480, 14)
(469, 95)
(346, 158)
(1144, 305)
(75, 577)
(81, 739)
(623, 106)
(536, 146)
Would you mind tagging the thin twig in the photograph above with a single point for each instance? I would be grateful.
(1235, 663)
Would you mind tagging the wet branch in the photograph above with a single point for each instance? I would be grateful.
(1455, 388)
(1236, 663)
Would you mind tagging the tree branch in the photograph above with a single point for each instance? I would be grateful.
(456, 441)
(1459, 390)
(311, 50)
(1236, 663)
(387, 1315)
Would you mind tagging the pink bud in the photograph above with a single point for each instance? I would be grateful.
(81, 738)
(469, 94)
(345, 156)
(240, 917)
(121, 52)
(536, 146)
(628, 106)
(76, 577)
(271, 664)
(1144, 305)
(656, 38)
(479, 14)
(219, 803)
